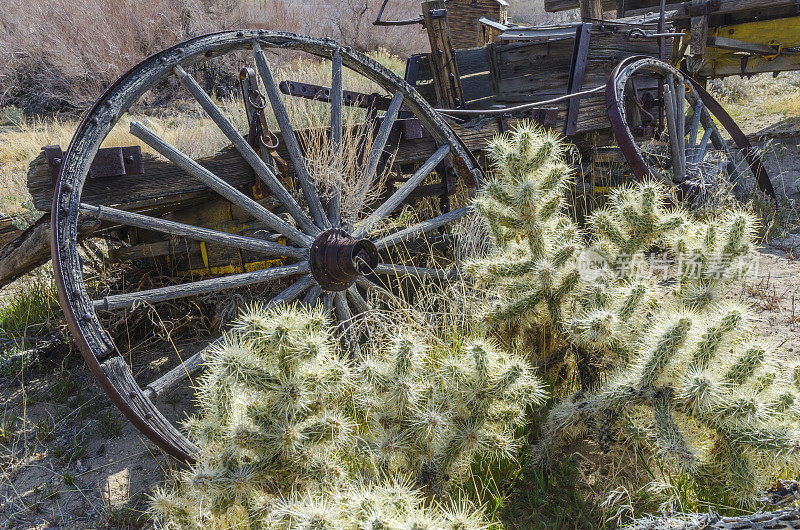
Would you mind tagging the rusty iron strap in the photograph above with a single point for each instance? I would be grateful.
(577, 73)
(628, 146)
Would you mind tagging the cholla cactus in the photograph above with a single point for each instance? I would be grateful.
(274, 393)
(282, 415)
(533, 271)
(389, 505)
(711, 402)
(431, 412)
(678, 369)
(711, 254)
(392, 505)
(634, 220)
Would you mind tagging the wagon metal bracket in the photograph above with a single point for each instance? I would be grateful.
(108, 162)
(577, 73)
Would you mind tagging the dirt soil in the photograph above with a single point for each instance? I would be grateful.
(68, 458)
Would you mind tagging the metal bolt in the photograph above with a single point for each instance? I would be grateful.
(179, 51)
(132, 394)
(57, 161)
(86, 317)
(67, 187)
(95, 121)
(162, 59)
(129, 159)
(240, 33)
(148, 415)
(107, 103)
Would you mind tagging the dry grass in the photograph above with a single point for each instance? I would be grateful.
(183, 124)
(761, 95)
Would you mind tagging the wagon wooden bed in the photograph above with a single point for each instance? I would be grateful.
(254, 215)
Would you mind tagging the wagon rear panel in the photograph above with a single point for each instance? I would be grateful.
(537, 71)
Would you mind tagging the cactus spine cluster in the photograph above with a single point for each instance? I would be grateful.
(533, 272)
(283, 414)
(431, 413)
(675, 367)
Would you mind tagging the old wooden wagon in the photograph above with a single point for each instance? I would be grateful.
(381, 206)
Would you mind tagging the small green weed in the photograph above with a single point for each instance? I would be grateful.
(64, 386)
(8, 425)
(29, 310)
(44, 428)
(108, 425)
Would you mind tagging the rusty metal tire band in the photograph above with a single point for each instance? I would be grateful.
(91, 338)
(615, 104)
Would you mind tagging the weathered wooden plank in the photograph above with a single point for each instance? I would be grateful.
(449, 91)
(591, 9)
(161, 180)
(8, 232)
(677, 11)
(553, 6)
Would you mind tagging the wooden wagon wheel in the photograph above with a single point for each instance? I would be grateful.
(686, 148)
(324, 258)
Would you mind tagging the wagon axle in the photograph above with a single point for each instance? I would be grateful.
(338, 259)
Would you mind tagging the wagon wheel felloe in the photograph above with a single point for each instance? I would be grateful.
(666, 125)
(323, 259)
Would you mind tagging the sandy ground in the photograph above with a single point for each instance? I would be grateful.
(68, 458)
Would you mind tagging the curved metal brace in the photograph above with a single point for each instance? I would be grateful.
(624, 136)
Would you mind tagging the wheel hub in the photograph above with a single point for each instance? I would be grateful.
(337, 259)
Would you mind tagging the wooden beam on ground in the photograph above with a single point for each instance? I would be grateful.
(31, 248)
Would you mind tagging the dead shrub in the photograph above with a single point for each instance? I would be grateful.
(57, 56)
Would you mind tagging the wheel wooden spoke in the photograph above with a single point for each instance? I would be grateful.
(172, 292)
(291, 293)
(193, 364)
(218, 185)
(421, 228)
(694, 128)
(417, 272)
(399, 196)
(672, 129)
(185, 370)
(337, 102)
(312, 296)
(327, 301)
(381, 291)
(379, 144)
(359, 304)
(248, 153)
(113, 215)
(341, 308)
(700, 152)
(290, 138)
(680, 122)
